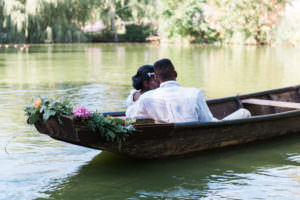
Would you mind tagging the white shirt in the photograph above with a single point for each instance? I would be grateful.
(131, 104)
(129, 100)
(172, 103)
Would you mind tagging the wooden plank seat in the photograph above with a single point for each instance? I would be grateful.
(140, 121)
(264, 102)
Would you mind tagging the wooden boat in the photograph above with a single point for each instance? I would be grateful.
(274, 113)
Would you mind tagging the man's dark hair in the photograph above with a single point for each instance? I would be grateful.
(165, 70)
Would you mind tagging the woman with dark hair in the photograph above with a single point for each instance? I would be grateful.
(142, 82)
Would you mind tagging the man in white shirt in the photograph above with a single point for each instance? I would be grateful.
(171, 103)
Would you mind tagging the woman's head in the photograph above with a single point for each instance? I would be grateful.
(144, 78)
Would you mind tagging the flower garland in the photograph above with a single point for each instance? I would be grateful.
(113, 129)
(82, 112)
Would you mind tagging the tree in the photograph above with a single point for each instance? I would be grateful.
(186, 19)
(254, 20)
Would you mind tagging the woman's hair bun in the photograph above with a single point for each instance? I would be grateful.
(137, 82)
(141, 76)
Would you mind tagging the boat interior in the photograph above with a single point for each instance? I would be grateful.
(262, 103)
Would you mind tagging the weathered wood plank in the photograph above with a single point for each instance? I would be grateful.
(142, 121)
(264, 102)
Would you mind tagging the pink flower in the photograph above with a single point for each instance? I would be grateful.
(81, 111)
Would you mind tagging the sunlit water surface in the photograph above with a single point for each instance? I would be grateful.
(98, 77)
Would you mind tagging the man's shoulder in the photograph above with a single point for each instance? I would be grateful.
(150, 94)
(163, 92)
(190, 90)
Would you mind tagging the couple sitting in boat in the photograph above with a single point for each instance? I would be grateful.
(158, 96)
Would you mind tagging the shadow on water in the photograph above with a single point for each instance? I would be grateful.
(58, 48)
(59, 86)
(109, 176)
(61, 48)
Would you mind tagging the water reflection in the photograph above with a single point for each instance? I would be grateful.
(220, 71)
(257, 171)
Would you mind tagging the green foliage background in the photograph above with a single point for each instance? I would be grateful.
(202, 21)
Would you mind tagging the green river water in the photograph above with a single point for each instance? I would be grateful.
(98, 76)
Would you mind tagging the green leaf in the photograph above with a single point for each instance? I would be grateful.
(33, 118)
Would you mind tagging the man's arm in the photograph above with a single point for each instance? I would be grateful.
(204, 113)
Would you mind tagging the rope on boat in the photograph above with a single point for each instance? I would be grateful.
(11, 139)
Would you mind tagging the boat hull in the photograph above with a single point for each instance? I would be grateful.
(156, 141)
